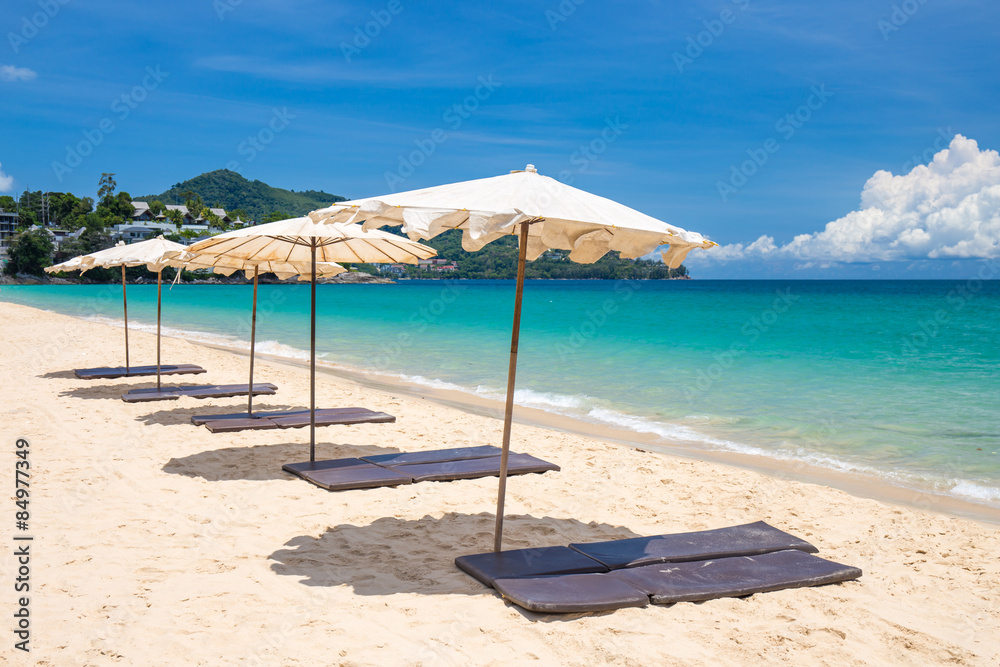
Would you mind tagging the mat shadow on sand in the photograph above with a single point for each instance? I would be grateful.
(260, 462)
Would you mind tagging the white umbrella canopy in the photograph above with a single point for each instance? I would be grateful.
(299, 241)
(294, 240)
(153, 253)
(560, 216)
(156, 254)
(227, 265)
(545, 212)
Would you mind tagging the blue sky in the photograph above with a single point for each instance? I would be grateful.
(880, 86)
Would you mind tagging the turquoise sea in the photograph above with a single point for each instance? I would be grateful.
(899, 379)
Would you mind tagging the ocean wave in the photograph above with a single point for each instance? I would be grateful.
(588, 409)
(976, 491)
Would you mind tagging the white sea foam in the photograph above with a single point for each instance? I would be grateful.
(276, 349)
(545, 400)
(976, 491)
(428, 382)
(586, 408)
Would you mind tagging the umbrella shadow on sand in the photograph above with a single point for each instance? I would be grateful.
(261, 462)
(392, 555)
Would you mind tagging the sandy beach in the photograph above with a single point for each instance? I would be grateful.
(157, 542)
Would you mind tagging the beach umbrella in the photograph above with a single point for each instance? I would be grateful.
(545, 213)
(301, 240)
(227, 265)
(151, 253)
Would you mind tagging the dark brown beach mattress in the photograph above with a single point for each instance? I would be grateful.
(673, 582)
(346, 474)
(168, 393)
(440, 465)
(109, 373)
(746, 540)
(517, 563)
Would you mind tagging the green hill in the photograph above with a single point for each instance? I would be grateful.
(231, 191)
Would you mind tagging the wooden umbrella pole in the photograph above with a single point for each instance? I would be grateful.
(511, 372)
(125, 304)
(253, 340)
(312, 363)
(159, 301)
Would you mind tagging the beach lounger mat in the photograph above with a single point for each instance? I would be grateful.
(434, 456)
(518, 563)
(746, 540)
(136, 371)
(569, 593)
(198, 420)
(201, 391)
(327, 419)
(734, 577)
(346, 474)
(517, 464)
(235, 425)
(291, 419)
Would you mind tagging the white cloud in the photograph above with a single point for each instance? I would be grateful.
(14, 73)
(6, 182)
(947, 209)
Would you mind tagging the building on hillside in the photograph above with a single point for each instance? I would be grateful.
(395, 269)
(131, 232)
(8, 223)
(437, 264)
(144, 214)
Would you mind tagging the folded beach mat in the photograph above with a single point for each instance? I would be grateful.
(445, 471)
(198, 420)
(703, 565)
(346, 474)
(136, 371)
(746, 540)
(198, 391)
(517, 563)
(441, 465)
(241, 421)
(434, 456)
(330, 418)
(569, 593)
(734, 577)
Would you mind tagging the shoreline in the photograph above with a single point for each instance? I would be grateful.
(863, 486)
(220, 557)
(857, 483)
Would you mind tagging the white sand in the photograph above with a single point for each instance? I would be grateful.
(157, 542)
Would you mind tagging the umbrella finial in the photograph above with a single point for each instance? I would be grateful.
(531, 168)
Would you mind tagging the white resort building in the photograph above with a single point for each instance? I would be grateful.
(145, 223)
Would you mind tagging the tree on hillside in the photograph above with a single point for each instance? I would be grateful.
(274, 216)
(157, 207)
(30, 252)
(107, 186)
(113, 209)
(212, 220)
(116, 209)
(90, 241)
(194, 203)
(175, 217)
(29, 206)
